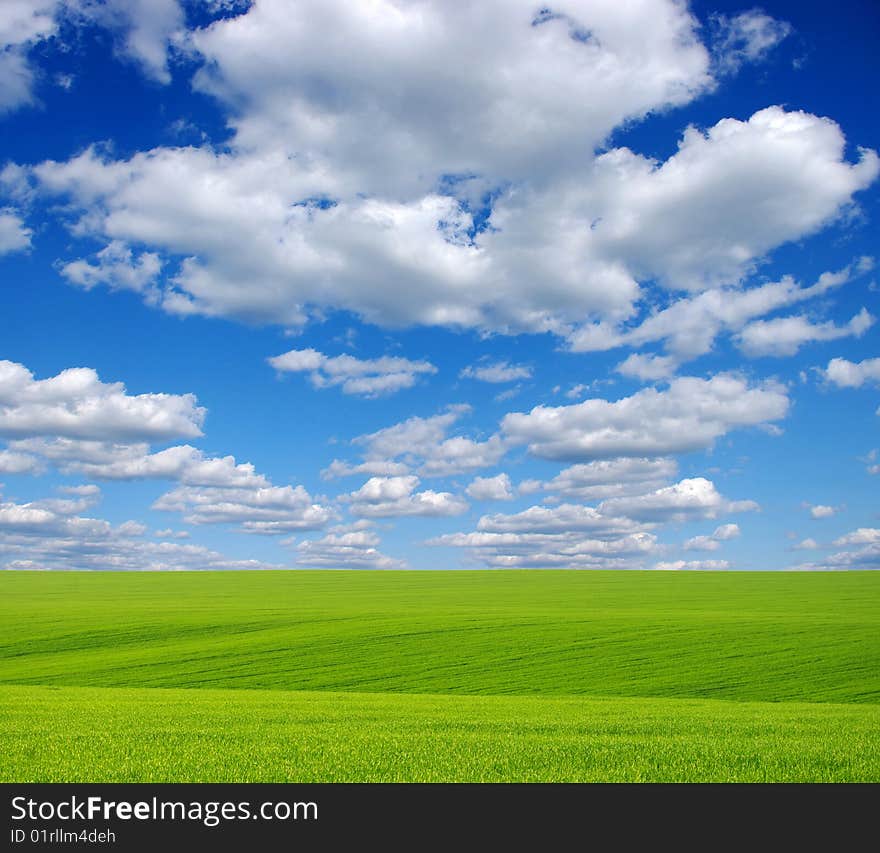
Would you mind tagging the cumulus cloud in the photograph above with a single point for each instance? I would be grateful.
(19, 463)
(861, 552)
(367, 172)
(83, 491)
(704, 218)
(168, 533)
(490, 488)
(541, 551)
(648, 367)
(144, 31)
(692, 565)
(563, 518)
(616, 534)
(346, 547)
(23, 24)
(76, 404)
(565, 536)
(785, 335)
(375, 377)
(687, 500)
(689, 415)
(713, 542)
(14, 234)
(498, 372)
(690, 326)
(392, 497)
(81, 426)
(51, 535)
(183, 463)
(461, 117)
(861, 536)
(375, 467)
(818, 511)
(117, 267)
(606, 478)
(849, 374)
(266, 510)
(726, 531)
(424, 444)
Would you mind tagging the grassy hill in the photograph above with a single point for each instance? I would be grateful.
(469, 675)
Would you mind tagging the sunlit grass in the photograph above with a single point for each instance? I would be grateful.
(483, 676)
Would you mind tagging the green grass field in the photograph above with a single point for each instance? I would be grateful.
(440, 676)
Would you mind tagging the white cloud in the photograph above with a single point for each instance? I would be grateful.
(417, 436)
(50, 535)
(861, 536)
(607, 478)
(14, 235)
(458, 454)
(423, 443)
(567, 536)
(22, 24)
(687, 500)
(117, 268)
(701, 543)
(689, 415)
(706, 216)
(393, 109)
(78, 455)
(746, 37)
(866, 557)
(392, 497)
(374, 377)
(713, 542)
(689, 326)
(564, 518)
(182, 463)
(693, 565)
(375, 467)
(821, 511)
(648, 367)
(617, 534)
(19, 463)
(362, 162)
(498, 372)
(145, 29)
(268, 510)
(88, 490)
(807, 544)
(785, 335)
(346, 547)
(562, 550)
(726, 532)
(211, 490)
(76, 404)
(529, 487)
(848, 374)
(490, 488)
(168, 533)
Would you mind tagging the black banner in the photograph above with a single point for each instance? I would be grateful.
(170, 817)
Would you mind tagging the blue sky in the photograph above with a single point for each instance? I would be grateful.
(404, 284)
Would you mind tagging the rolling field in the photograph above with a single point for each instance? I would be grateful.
(467, 676)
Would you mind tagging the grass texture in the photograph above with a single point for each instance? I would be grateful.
(436, 676)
